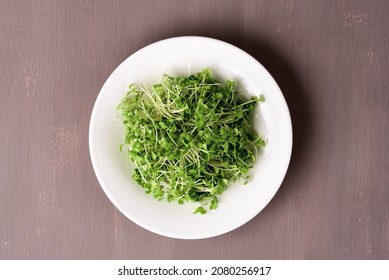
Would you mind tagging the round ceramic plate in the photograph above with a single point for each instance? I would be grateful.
(182, 56)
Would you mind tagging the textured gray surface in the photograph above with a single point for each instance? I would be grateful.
(330, 58)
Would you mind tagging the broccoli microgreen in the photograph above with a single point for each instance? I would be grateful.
(189, 137)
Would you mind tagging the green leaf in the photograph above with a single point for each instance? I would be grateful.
(200, 210)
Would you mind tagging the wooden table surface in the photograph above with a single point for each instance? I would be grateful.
(330, 59)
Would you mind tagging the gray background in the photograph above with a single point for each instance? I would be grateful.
(330, 59)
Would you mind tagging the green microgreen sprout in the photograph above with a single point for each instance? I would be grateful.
(189, 137)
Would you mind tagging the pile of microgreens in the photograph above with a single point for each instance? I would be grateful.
(189, 137)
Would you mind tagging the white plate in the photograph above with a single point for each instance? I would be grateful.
(239, 203)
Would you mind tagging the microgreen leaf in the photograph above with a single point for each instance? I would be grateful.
(200, 210)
